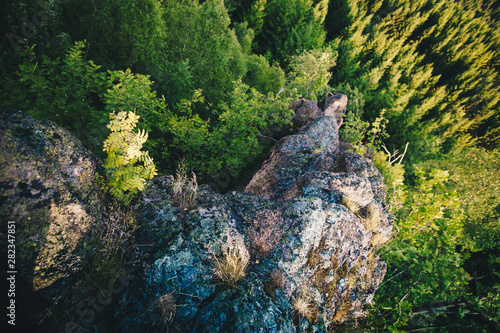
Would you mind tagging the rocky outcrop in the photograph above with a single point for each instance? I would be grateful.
(335, 106)
(309, 218)
(48, 189)
(306, 111)
(295, 248)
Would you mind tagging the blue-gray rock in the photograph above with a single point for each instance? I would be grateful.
(310, 219)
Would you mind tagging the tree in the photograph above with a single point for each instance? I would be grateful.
(65, 91)
(200, 37)
(310, 71)
(120, 34)
(289, 27)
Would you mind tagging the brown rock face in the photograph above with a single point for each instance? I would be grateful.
(47, 187)
(289, 158)
(306, 111)
(335, 106)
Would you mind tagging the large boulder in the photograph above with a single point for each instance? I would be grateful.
(310, 219)
(48, 189)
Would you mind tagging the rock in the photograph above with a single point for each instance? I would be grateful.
(294, 252)
(306, 111)
(335, 106)
(48, 188)
(278, 176)
(309, 218)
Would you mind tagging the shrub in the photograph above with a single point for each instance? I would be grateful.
(123, 146)
(310, 71)
(235, 138)
(231, 264)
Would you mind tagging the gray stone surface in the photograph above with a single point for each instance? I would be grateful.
(47, 186)
(330, 206)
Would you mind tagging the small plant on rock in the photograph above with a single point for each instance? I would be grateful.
(127, 166)
(304, 307)
(230, 265)
(184, 189)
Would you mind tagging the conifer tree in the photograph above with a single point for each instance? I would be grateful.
(289, 27)
(430, 64)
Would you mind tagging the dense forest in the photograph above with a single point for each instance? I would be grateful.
(212, 80)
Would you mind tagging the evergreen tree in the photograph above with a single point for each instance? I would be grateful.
(289, 27)
(437, 83)
(119, 34)
(199, 36)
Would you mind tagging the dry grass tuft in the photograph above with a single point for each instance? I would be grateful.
(343, 311)
(302, 307)
(166, 305)
(184, 189)
(231, 264)
(353, 206)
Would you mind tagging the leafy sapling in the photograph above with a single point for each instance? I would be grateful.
(127, 166)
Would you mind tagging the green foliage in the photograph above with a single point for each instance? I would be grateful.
(309, 71)
(200, 37)
(393, 179)
(238, 135)
(354, 129)
(474, 176)
(64, 91)
(262, 76)
(289, 27)
(127, 166)
(404, 56)
(131, 91)
(120, 33)
(424, 266)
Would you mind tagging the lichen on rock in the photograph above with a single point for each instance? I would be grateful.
(323, 254)
(47, 187)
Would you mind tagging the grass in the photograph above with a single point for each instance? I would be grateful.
(184, 189)
(167, 307)
(303, 307)
(230, 265)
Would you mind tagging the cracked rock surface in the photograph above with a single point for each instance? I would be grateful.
(308, 218)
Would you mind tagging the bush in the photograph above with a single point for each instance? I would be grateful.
(310, 71)
(123, 146)
(233, 139)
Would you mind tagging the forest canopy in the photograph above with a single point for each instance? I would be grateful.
(212, 80)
